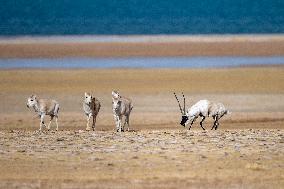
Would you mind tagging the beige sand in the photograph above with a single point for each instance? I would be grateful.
(127, 46)
(246, 152)
(145, 159)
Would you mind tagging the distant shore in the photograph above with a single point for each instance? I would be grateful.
(141, 46)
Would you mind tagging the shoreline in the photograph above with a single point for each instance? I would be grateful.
(140, 38)
(141, 46)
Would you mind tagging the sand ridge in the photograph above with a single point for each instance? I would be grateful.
(141, 46)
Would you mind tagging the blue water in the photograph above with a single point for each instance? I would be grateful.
(147, 62)
(109, 17)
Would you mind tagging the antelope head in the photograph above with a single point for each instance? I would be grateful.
(88, 98)
(184, 117)
(32, 100)
(116, 100)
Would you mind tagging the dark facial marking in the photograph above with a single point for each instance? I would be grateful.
(183, 120)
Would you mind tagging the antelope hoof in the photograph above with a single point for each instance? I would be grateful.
(88, 129)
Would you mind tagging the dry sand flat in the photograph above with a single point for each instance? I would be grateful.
(246, 152)
(253, 94)
(262, 80)
(128, 46)
(145, 159)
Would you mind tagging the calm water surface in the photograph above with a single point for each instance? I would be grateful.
(146, 62)
(140, 17)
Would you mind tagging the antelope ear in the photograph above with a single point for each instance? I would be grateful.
(85, 94)
(115, 94)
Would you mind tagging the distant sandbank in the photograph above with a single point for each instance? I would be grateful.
(141, 46)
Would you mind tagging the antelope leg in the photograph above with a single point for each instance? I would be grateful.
(203, 118)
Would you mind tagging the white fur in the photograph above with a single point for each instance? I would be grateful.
(205, 108)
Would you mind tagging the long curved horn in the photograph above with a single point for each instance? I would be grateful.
(183, 103)
(178, 104)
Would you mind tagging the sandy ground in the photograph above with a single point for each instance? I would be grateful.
(128, 46)
(246, 158)
(246, 152)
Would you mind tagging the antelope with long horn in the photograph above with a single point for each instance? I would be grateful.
(203, 109)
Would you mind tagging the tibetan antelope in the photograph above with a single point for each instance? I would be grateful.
(44, 107)
(121, 106)
(91, 107)
(202, 108)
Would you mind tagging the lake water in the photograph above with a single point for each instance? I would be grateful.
(142, 62)
(140, 17)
